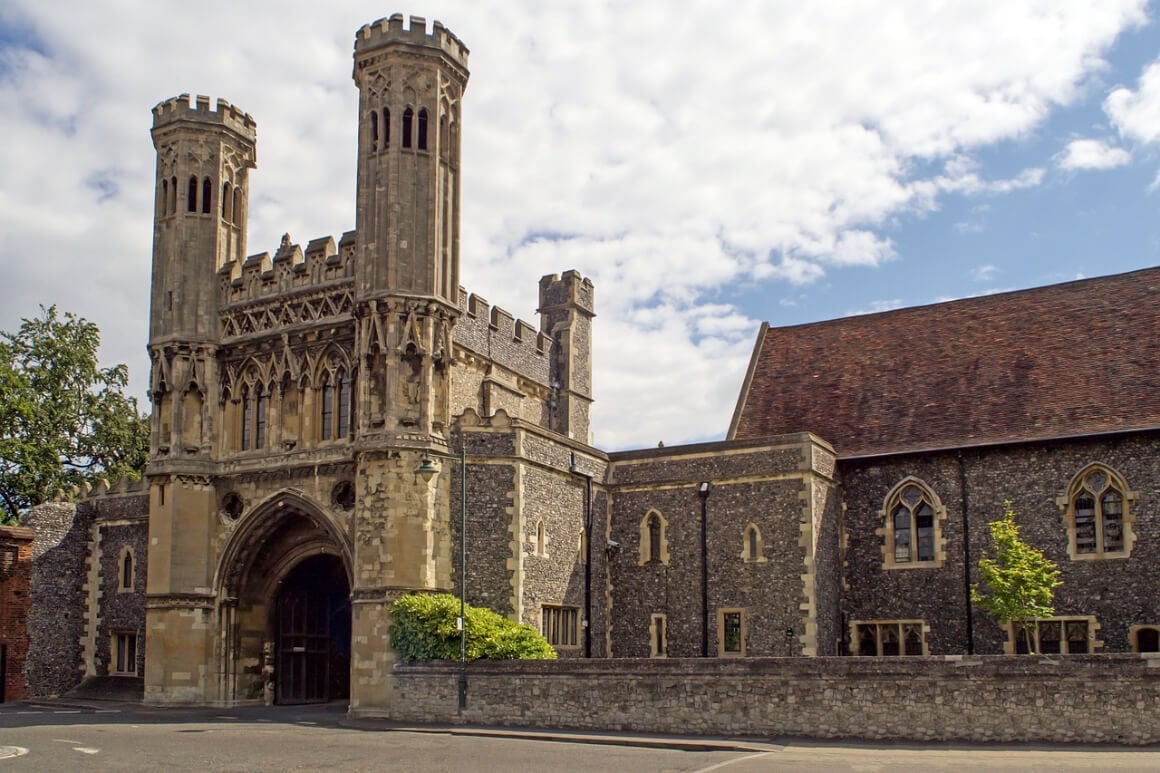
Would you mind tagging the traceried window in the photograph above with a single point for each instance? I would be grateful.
(1056, 636)
(327, 408)
(247, 420)
(560, 625)
(913, 524)
(1098, 514)
(889, 638)
(654, 546)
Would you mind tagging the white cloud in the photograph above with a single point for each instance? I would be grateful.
(877, 306)
(984, 273)
(1136, 114)
(774, 145)
(1091, 154)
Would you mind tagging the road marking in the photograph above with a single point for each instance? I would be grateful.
(727, 763)
(7, 752)
(86, 750)
(65, 740)
(224, 716)
(66, 711)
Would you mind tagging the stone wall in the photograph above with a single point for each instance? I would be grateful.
(1071, 699)
(57, 619)
(1118, 591)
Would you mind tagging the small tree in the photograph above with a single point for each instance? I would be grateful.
(1018, 584)
(424, 627)
(64, 420)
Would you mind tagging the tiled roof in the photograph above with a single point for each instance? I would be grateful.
(1064, 360)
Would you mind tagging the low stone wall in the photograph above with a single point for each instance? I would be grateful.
(1075, 698)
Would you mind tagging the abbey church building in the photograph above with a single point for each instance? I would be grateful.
(297, 395)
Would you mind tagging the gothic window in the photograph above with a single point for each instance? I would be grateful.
(173, 195)
(658, 646)
(247, 419)
(408, 118)
(343, 404)
(125, 581)
(654, 546)
(236, 215)
(327, 408)
(260, 418)
(206, 191)
(753, 549)
(889, 638)
(191, 194)
(1098, 514)
(913, 518)
(731, 633)
(163, 199)
(226, 201)
(1054, 636)
(422, 139)
(386, 127)
(374, 131)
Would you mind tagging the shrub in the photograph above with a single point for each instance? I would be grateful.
(423, 627)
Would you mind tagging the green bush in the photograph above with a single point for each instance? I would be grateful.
(423, 628)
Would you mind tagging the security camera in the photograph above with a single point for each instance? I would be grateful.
(613, 546)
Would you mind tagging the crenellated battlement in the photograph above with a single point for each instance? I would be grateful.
(291, 268)
(88, 492)
(493, 332)
(179, 109)
(569, 289)
(384, 32)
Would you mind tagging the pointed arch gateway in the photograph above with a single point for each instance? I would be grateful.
(283, 583)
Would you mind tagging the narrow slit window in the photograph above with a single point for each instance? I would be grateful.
(422, 139)
(327, 409)
(374, 131)
(343, 405)
(206, 195)
(408, 119)
(260, 420)
(386, 127)
(226, 200)
(191, 193)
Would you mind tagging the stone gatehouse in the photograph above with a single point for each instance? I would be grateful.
(297, 395)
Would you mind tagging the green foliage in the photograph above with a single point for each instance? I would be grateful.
(63, 419)
(1018, 584)
(423, 627)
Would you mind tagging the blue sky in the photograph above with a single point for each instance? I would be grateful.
(779, 162)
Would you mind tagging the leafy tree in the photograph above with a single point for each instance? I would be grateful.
(63, 419)
(1018, 584)
(423, 627)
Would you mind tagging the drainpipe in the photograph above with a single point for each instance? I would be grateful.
(575, 470)
(966, 554)
(703, 490)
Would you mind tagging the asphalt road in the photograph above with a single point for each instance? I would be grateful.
(121, 737)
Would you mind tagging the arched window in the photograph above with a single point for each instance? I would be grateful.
(423, 128)
(753, 547)
(654, 548)
(343, 404)
(191, 193)
(1098, 514)
(1147, 638)
(408, 117)
(260, 419)
(247, 419)
(206, 194)
(327, 408)
(374, 130)
(236, 216)
(126, 579)
(227, 199)
(173, 195)
(163, 199)
(386, 127)
(913, 516)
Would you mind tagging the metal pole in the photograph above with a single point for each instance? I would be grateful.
(462, 575)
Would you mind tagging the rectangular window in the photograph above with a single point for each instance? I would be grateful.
(731, 633)
(1057, 636)
(658, 636)
(125, 653)
(560, 625)
(889, 638)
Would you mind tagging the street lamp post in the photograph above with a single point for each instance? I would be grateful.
(428, 469)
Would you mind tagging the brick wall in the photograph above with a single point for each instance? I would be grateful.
(15, 582)
(1072, 699)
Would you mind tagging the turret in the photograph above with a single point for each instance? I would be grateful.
(411, 86)
(567, 307)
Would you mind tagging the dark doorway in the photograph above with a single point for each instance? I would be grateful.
(313, 625)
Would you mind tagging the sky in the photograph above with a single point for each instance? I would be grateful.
(708, 166)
